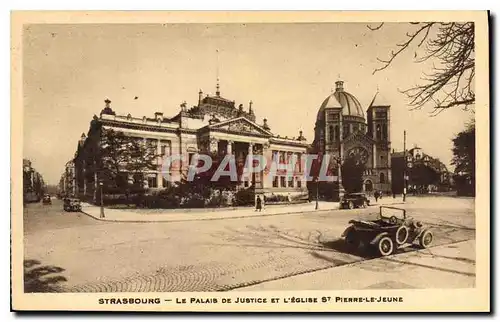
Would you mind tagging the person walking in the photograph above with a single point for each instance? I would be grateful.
(258, 204)
(376, 195)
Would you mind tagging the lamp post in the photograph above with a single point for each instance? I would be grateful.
(102, 202)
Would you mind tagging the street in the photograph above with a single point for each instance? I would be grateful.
(72, 252)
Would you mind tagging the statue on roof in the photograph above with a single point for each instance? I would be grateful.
(107, 109)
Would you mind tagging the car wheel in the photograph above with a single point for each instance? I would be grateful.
(402, 235)
(426, 239)
(385, 246)
(351, 205)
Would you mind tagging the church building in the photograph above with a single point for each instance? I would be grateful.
(342, 130)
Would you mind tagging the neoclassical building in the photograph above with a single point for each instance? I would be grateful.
(342, 130)
(214, 125)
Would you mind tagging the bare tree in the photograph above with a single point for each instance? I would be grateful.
(450, 48)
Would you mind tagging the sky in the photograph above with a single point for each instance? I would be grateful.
(286, 69)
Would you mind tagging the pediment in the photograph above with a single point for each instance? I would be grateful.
(240, 125)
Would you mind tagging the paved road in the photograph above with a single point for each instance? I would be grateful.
(42, 218)
(83, 255)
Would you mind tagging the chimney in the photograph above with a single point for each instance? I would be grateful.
(339, 86)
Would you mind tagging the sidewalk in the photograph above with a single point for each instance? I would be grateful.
(175, 215)
(446, 266)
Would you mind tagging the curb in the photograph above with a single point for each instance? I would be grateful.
(203, 219)
(222, 218)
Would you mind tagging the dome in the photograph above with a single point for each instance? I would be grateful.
(341, 99)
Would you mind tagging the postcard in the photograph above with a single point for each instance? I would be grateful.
(289, 161)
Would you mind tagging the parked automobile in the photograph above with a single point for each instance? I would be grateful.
(72, 204)
(46, 200)
(387, 233)
(354, 200)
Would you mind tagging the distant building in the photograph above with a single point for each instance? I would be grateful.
(67, 183)
(342, 131)
(33, 184)
(425, 173)
(213, 125)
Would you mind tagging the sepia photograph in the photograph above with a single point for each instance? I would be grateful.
(250, 161)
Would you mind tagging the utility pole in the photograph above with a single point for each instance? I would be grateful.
(405, 182)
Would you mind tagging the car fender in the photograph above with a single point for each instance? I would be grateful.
(347, 230)
(378, 237)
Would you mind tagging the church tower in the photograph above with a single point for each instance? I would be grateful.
(378, 117)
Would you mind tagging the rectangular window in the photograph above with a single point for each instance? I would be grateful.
(246, 183)
(290, 182)
(190, 157)
(166, 183)
(282, 182)
(152, 183)
(299, 161)
(299, 183)
(275, 182)
(282, 157)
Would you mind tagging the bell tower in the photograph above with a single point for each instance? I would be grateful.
(378, 115)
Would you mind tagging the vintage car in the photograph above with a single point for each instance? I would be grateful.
(387, 233)
(354, 200)
(46, 200)
(72, 204)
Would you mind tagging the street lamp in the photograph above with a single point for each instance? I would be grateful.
(102, 202)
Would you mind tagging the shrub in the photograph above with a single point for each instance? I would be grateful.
(276, 198)
(245, 197)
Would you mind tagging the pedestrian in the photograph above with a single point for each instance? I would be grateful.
(376, 195)
(258, 204)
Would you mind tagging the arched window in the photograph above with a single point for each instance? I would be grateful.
(379, 134)
(346, 130)
(382, 177)
(331, 135)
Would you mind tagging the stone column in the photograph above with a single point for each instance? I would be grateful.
(159, 176)
(213, 145)
(250, 164)
(229, 149)
(374, 156)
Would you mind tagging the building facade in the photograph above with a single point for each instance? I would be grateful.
(342, 131)
(67, 183)
(215, 126)
(424, 173)
(33, 184)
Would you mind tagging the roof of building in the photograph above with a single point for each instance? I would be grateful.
(379, 100)
(342, 99)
